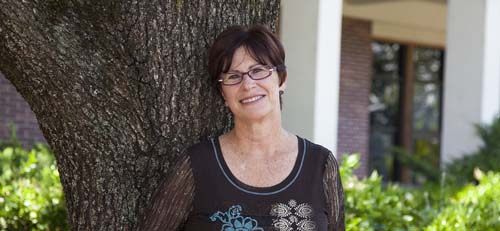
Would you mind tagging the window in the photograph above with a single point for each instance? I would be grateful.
(405, 107)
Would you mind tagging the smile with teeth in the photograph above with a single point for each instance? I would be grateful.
(253, 99)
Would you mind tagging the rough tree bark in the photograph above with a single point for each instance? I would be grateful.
(119, 88)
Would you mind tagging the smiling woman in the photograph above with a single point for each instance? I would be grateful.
(258, 176)
(256, 96)
(258, 45)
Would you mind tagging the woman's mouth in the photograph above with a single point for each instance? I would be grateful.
(252, 99)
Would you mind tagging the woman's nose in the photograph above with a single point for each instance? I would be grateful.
(247, 82)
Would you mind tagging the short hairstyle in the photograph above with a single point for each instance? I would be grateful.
(259, 41)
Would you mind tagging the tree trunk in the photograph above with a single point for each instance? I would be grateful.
(120, 89)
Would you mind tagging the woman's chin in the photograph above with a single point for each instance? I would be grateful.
(255, 114)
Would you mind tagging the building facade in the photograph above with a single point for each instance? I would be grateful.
(414, 77)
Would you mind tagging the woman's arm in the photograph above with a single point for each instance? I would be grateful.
(172, 201)
(334, 195)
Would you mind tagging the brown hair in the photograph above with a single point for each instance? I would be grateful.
(259, 41)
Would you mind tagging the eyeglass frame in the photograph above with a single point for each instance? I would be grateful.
(280, 67)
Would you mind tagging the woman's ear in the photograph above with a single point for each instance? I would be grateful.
(223, 98)
(283, 84)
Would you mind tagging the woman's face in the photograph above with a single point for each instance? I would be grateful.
(251, 99)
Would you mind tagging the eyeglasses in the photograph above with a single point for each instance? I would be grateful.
(256, 73)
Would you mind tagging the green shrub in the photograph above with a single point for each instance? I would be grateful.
(486, 158)
(460, 171)
(370, 205)
(423, 170)
(31, 195)
(473, 208)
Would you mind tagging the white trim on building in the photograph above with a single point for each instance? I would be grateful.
(311, 33)
(472, 74)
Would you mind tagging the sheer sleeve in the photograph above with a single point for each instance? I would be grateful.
(173, 200)
(334, 195)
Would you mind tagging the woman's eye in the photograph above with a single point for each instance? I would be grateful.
(232, 77)
(257, 70)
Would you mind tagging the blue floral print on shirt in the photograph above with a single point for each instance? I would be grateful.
(233, 221)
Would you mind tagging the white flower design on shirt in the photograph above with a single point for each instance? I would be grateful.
(293, 216)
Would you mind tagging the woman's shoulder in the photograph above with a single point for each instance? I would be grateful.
(323, 154)
(315, 148)
(203, 151)
(203, 145)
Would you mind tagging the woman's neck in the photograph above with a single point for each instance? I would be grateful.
(259, 138)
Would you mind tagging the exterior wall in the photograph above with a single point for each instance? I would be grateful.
(13, 109)
(472, 75)
(312, 44)
(355, 87)
(298, 35)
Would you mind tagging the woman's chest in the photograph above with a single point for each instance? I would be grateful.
(261, 173)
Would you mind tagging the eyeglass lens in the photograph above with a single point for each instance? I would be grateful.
(256, 73)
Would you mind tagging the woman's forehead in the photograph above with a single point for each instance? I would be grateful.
(242, 59)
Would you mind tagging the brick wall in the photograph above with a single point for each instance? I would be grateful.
(13, 109)
(355, 84)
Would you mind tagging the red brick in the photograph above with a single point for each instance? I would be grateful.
(355, 84)
(14, 109)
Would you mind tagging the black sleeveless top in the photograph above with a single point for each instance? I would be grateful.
(222, 202)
